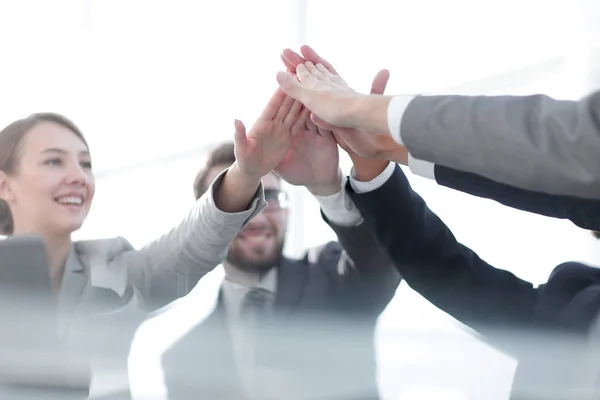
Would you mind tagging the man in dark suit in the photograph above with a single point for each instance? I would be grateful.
(283, 328)
(552, 329)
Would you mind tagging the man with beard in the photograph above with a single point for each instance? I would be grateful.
(282, 328)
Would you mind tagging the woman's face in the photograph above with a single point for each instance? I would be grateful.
(52, 187)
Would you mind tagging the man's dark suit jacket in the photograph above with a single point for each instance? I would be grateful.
(494, 302)
(321, 341)
(584, 213)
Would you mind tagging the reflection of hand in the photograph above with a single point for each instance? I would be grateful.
(313, 159)
(262, 149)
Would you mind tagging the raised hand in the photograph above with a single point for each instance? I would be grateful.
(291, 59)
(260, 150)
(313, 159)
(328, 96)
(381, 146)
(257, 152)
(325, 94)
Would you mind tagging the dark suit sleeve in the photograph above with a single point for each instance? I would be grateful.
(359, 267)
(433, 263)
(584, 213)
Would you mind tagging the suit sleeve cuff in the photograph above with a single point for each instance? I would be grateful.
(376, 183)
(421, 168)
(340, 209)
(395, 112)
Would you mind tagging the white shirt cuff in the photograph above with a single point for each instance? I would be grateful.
(421, 168)
(340, 209)
(376, 183)
(396, 109)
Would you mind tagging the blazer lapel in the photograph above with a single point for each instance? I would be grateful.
(73, 283)
(291, 280)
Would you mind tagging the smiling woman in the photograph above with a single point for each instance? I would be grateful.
(46, 182)
(46, 190)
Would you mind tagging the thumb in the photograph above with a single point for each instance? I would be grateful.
(239, 136)
(380, 82)
(290, 86)
(325, 125)
(341, 141)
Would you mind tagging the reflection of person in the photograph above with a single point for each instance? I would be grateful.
(315, 338)
(531, 142)
(47, 187)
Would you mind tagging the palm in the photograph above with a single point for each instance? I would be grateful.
(262, 149)
(268, 142)
(312, 159)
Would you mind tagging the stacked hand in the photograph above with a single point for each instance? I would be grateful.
(312, 112)
(326, 90)
(286, 141)
(313, 159)
(259, 151)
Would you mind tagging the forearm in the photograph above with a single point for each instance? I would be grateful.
(236, 191)
(169, 267)
(531, 142)
(370, 113)
(584, 213)
(433, 263)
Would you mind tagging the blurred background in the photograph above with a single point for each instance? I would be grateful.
(154, 84)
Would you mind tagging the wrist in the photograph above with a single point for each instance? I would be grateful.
(369, 113)
(327, 189)
(242, 179)
(400, 156)
(367, 169)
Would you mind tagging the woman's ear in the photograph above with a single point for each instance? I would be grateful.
(5, 191)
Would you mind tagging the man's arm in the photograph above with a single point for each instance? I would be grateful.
(531, 142)
(446, 273)
(360, 269)
(584, 213)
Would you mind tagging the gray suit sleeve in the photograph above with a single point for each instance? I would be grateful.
(170, 267)
(531, 142)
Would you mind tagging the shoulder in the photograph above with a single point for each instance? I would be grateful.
(106, 249)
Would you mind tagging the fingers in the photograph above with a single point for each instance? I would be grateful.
(305, 71)
(302, 122)
(312, 68)
(293, 113)
(311, 55)
(284, 108)
(288, 65)
(274, 104)
(291, 59)
(380, 82)
(239, 136)
(291, 86)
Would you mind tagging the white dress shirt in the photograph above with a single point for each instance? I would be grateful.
(395, 112)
